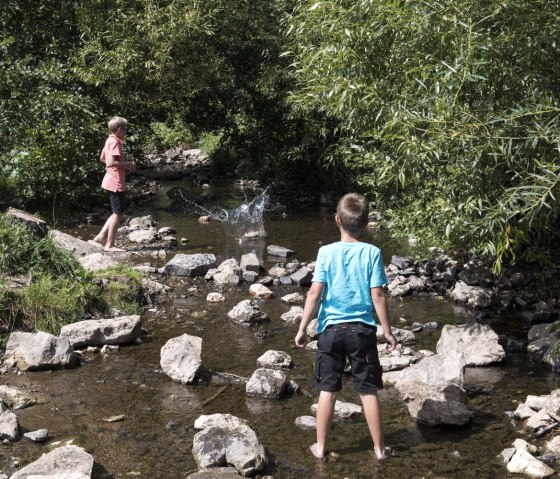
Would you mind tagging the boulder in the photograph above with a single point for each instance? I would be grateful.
(308, 423)
(167, 230)
(553, 446)
(227, 273)
(13, 398)
(141, 223)
(436, 405)
(38, 351)
(437, 370)
(227, 440)
(522, 462)
(477, 342)
(70, 462)
(260, 291)
(249, 276)
(8, 424)
(215, 298)
(247, 312)
(267, 383)
(402, 262)
(294, 315)
(404, 336)
(275, 360)
(120, 330)
(144, 236)
(280, 251)
(277, 272)
(552, 403)
(523, 411)
(180, 358)
(189, 264)
(343, 411)
(302, 277)
(536, 402)
(480, 298)
(460, 292)
(39, 436)
(474, 275)
(75, 246)
(97, 262)
(539, 420)
(293, 298)
(541, 340)
(250, 262)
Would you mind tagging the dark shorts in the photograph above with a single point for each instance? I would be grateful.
(117, 201)
(357, 342)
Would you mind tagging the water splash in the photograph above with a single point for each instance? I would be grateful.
(242, 223)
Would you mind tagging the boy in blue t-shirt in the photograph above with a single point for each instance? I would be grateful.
(348, 282)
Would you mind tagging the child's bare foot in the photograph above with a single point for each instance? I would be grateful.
(100, 240)
(114, 249)
(320, 455)
(383, 453)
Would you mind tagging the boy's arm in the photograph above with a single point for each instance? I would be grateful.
(314, 296)
(382, 312)
(111, 160)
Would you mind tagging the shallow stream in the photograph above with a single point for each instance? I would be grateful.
(155, 438)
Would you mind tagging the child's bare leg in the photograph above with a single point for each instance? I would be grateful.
(101, 237)
(325, 412)
(372, 411)
(114, 221)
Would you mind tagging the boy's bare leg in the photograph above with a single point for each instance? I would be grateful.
(372, 411)
(325, 412)
(101, 237)
(114, 221)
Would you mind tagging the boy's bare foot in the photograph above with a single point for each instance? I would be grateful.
(382, 454)
(314, 450)
(99, 240)
(114, 249)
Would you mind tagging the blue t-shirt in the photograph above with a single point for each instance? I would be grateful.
(349, 271)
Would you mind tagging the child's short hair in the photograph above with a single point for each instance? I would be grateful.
(116, 122)
(353, 212)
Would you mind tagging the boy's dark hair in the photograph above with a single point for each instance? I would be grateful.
(353, 212)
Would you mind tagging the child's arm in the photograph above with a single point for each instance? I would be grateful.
(127, 165)
(314, 296)
(382, 312)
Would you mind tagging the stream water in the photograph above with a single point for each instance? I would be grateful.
(155, 438)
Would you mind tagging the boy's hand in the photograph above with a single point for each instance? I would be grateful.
(391, 341)
(300, 339)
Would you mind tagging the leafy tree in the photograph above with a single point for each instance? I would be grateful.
(448, 112)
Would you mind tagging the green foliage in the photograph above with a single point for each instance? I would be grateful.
(210, 142)
(447, 111)
(163, 135)
(21, 252)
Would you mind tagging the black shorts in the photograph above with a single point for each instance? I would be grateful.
(358, 342)
(117, 201)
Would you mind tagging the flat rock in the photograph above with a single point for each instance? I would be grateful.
(267, 383)
(294, 315)
(437, 370)
(293, 298)
(141, 223)
(308, 423)
(215, 298)
(275, 360)
(279, 251)
(404, 336)
(250, 262)
(14, 398)
(524, 412)
(68, 462)
(536, 402)
(538, 420)
(37, 351)
(95, 332)
(144, 236)
(343, 411)
(40, 435)
(228, 272)
(302, 277)
(34, 223)
(190, 265)
(216, 473)
(75, 246)
(523, 462)
(97, 261)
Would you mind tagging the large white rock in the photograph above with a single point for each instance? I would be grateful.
(267, 383)
(143, 236)
(260, 291)
(524, 463)
(73, 245)
(293, 298)
(93, 332)
(189, 264)
(478, 343)
(343, 411)
(66, 462)
(180, 358)
(227, 440)
(35, 351)
(294, 315)
(14, 398)
(275, 360)
(228, 273)
(437, 370)
(97, 261)
(436, 405)
(8, 424)
(247, 312)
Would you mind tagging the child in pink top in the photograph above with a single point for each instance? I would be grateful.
(116, 169)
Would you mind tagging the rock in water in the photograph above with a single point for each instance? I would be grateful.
(181, 358)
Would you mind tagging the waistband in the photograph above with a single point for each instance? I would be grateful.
(345, 326)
